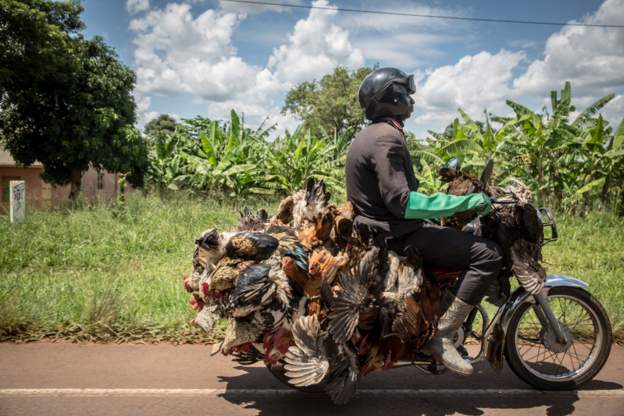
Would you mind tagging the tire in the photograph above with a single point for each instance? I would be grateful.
(603, 342)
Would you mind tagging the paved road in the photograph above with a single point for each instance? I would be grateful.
(67, 379)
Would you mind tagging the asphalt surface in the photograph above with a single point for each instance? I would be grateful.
(67, 379)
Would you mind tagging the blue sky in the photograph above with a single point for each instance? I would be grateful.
(205, 56)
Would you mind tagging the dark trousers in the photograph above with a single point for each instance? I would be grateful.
(449, 249)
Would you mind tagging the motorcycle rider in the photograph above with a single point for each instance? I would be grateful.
(382, 188)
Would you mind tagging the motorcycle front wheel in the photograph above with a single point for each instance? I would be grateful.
(537, 357)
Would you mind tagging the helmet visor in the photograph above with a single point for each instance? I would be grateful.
(407, 81)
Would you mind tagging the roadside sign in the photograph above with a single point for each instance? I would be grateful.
(17, 200)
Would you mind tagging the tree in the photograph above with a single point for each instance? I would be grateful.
(160, 127)
(472, 141)
(65, 101)
(330, 105)
(571, 162)
(553, 152)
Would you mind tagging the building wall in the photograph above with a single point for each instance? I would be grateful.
(40, 194)
(32, 176)
(107, 184)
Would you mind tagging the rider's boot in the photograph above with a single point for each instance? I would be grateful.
(442, 347)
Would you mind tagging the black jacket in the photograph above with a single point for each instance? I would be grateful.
(380, 175)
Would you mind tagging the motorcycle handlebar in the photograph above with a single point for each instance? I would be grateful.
(495, 201)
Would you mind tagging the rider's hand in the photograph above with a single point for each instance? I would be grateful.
(486, 207)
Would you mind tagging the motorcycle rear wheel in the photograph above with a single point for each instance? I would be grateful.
(536, 357)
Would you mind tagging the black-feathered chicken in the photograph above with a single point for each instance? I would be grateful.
(251, 246)
(517, 228)
(211, 246)
(253, 290)
(260, 287)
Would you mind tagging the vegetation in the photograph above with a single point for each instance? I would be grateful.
(102, 274)
(113, 273)
(574, 165)
(227, 158)
(329, 106)
(66, 101)
(569, 164)
(160, 127)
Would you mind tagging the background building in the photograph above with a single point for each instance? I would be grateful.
(40, 194)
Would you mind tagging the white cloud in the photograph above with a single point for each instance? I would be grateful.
(591, 58)
(406, 51)
(399, 23)
(137, 6)
(614, 111)
(474, 83)
(404, 41)
(316, 46)
(143, 114)
(179, 53)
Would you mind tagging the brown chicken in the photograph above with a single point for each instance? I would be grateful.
(319, 300)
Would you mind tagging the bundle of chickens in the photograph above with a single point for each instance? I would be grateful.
(310, 294)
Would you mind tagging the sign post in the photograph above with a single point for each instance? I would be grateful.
(17, 200)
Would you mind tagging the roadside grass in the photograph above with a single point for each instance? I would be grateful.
(591, 249)
(113, 274)
(105, 272)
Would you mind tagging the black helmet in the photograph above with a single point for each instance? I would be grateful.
(385, 92)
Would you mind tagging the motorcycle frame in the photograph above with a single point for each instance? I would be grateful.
(493, 339)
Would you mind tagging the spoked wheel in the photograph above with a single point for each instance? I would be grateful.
(536, 356)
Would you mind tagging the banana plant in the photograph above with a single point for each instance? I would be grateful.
(293, 158)
(226, 158)
(471, 141)
(546, 146)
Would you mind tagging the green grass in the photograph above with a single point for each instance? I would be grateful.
(115, 274)
(590, 249)
(102, 273)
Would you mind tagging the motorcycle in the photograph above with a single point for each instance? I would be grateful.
(550, 330)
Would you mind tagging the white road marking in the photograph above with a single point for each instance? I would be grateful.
(156, 392)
